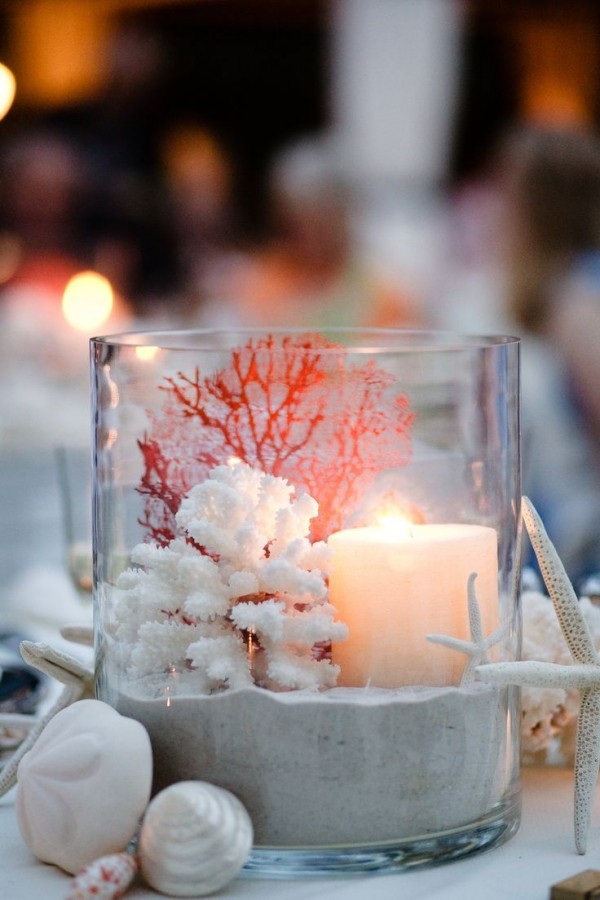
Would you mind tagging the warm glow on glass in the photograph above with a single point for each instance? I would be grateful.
(233, 461)
(87, 301)
(8, 87)
(146, 353)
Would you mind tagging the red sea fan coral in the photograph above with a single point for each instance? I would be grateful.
(296, 407)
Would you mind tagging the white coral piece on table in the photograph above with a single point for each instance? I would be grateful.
(241, 572)
(545, 712)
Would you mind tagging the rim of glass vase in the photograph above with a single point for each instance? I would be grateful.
(350, 338)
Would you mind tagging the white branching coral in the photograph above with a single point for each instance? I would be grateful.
(239, 596)
(547, 711)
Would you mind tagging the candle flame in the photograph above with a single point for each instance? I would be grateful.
(395, 524)
(397, 516)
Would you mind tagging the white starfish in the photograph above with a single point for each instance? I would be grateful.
(583, 676)
(78, 684)
(476, 649)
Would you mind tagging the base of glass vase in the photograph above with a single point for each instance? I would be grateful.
(395, 856)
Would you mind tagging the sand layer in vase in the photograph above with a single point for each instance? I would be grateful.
(347, 766)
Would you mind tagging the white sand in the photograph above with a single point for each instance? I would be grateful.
(348, 766)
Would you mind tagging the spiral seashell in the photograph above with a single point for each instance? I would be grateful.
(194, 839)
(106, 878)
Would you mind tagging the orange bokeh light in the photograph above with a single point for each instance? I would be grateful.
(8, 87)
(87, 301)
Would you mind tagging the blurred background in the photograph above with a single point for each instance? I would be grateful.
(406, 163)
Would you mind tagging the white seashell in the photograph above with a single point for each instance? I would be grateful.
(84, 785)
(194, 839)
(106, 878)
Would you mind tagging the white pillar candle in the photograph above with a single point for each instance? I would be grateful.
(393, 588)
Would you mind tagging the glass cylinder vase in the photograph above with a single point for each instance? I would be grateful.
(306, 545)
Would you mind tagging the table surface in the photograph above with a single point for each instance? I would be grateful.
(540, 854)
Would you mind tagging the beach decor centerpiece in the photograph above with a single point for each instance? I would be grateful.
(305, 545)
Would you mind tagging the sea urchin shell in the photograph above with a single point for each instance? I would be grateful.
(84, 785)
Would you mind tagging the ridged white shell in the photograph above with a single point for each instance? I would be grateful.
(194, 839)
(84, 785)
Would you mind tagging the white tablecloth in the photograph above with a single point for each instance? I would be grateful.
(540, 854)
(36, 594)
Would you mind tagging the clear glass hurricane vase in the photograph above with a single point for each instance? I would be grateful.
(305, 545)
